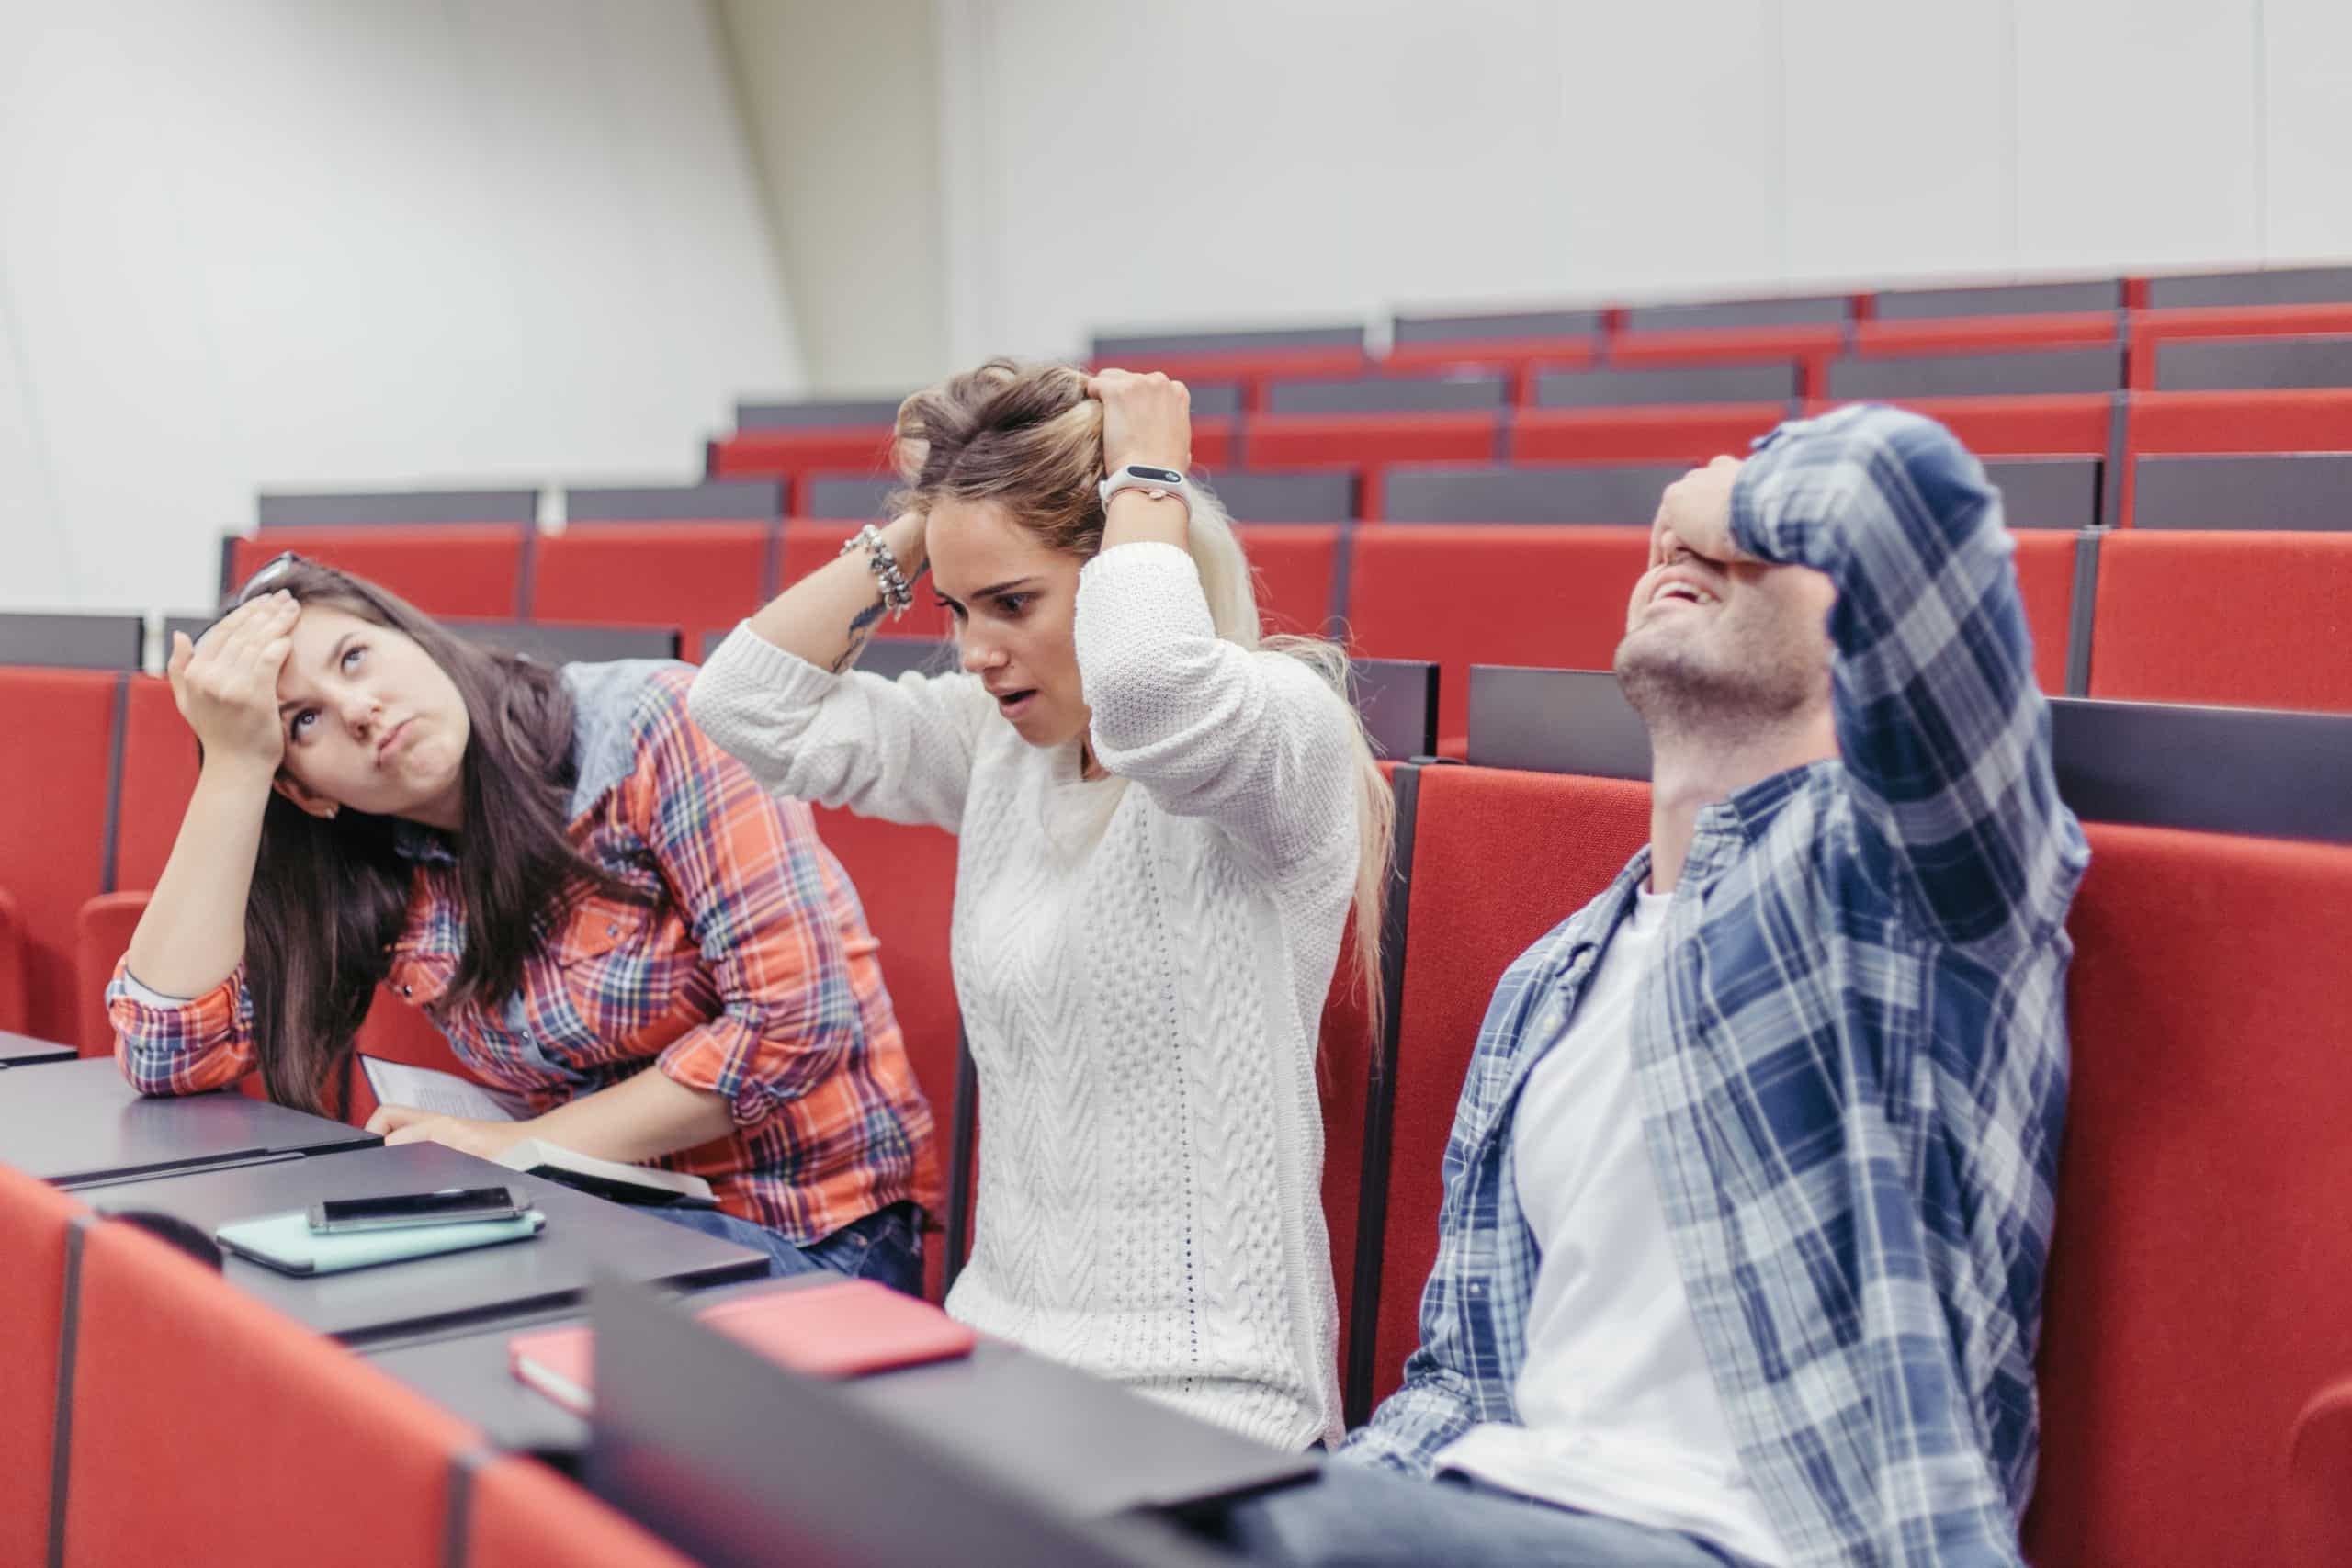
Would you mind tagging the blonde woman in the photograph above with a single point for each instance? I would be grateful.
(1164, 827)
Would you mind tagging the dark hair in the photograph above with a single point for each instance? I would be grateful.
(330, 895)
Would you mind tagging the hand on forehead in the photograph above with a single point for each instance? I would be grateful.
(1694, 516)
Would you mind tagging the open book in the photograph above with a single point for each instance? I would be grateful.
(446, 1094)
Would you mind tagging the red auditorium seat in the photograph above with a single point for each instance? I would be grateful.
(520, 1514)
(2287, 419)
(444, 569)
(2319, 1503)
(697, 558)
(698, 577)
(1499, 858)
(2238, 619)
(1249, 369)
(62, 729)
(1964, 333)
(209, 1428)
(2045, 563)
(2150, 328)
(13, 1000)
(1370, 441)
(1346, 1057)
(2198, 1265)
(1518, 358)
(2291, 419)
(34, 1218)
(1465, 593)
(159, 769)
(1295, 564)
(1685, 434)
(2045, 424)
(794, 453)
(906, 880)
(1811, 346)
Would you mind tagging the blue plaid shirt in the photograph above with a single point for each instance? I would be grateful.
(1851, 1055)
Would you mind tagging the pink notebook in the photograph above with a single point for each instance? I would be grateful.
(839, 1330)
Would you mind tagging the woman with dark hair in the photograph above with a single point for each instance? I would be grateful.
(572, 882)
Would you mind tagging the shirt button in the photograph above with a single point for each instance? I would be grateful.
(405, 991)
(612, 930)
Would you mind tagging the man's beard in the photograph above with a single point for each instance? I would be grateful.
(1752, 688)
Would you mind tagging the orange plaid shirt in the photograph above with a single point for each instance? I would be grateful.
(751, 975)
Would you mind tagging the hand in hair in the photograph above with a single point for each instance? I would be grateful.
(1146, 419)
(226, 685)
(1694, 516)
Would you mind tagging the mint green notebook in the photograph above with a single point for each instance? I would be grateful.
(286, 1242)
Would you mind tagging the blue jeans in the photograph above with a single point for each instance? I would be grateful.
(1357, 1516)
(886, 1245)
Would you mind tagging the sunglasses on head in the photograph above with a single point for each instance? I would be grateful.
(268, 572)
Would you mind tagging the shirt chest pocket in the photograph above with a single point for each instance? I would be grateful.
(596, 982)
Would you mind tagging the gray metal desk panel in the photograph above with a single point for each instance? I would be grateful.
(24, 1051)
(79, 1121)
(584, 1235)
(1043, 1427)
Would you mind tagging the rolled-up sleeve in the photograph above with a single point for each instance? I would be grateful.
(170, 1045)
(745, 868)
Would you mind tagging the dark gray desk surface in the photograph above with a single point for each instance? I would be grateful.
(78, 1122)
(1087, 1446)
(584, 1235)
(24, 1051)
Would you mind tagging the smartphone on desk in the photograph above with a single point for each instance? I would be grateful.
(398, 1211)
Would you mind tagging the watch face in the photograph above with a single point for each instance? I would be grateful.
(1158, 476)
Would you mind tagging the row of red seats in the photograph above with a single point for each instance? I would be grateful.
(2140, 313)
(2115, 427)
(200, 1426)
(1412, 591)
(2187, 1180)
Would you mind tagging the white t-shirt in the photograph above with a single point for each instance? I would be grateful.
(1621, 1416)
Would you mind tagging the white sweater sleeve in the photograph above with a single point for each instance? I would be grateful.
(898, 750)
(1256, 742)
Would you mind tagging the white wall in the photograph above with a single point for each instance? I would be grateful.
(842, 101)
(1113, 163)
(282, 243)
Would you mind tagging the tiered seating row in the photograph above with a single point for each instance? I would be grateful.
(2181, 1168)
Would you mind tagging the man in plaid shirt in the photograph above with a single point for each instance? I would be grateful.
(1749, 1196)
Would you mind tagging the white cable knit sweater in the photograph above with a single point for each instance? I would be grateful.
(1142, 1005)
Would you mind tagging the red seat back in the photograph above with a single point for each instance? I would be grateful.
(1295, 564)
(2241, 619)
(208, 1428)
(1370, 441)
(159, 769)
(905, 878)
(1499, 858)
(2031, 425)
(1690, 433)
(699, 577)
(443, 569)
(2045, 563)
(520, 1514)
(1465, 593)
(13, 1000)
(54, 770)
(795, 453)
(2198, 1267)
(34, 1218)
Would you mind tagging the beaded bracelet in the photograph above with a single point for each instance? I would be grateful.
(896, 596)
